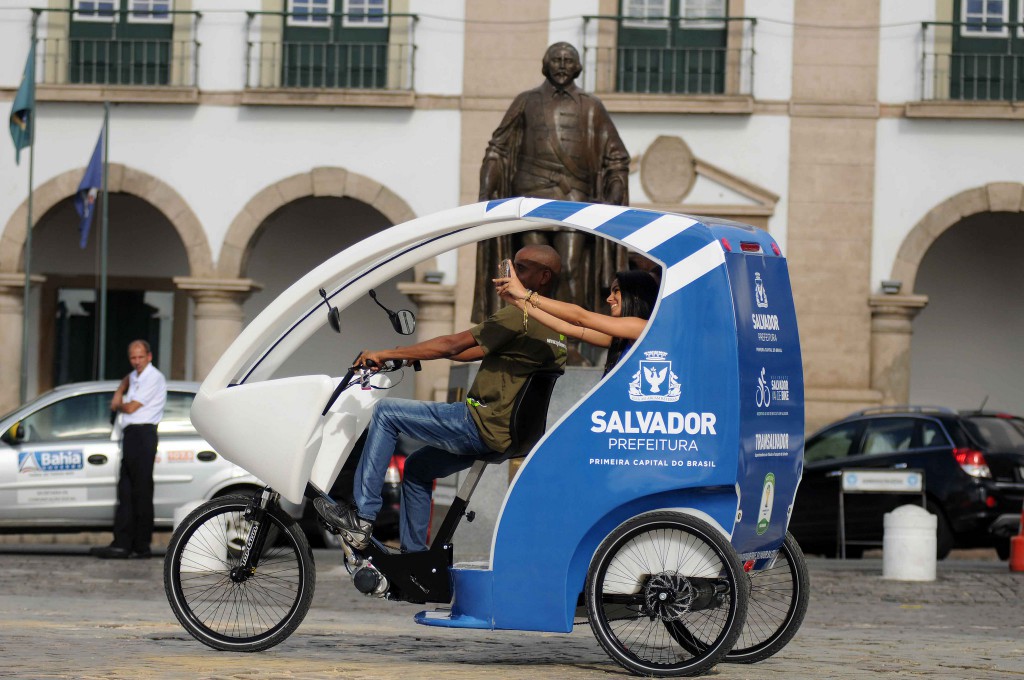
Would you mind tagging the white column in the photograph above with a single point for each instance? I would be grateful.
(12, 320)
(435, 316)
(218, 316)
(892, 319)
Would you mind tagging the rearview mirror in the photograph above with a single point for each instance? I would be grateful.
(15, 434)
(403, 321)
(333, 315)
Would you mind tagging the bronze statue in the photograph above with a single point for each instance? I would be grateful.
(557, 142)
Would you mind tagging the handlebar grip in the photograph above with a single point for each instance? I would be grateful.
(338, 390)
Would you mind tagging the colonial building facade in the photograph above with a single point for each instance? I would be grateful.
(879, 141)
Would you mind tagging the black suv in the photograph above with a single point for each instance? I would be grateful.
(973, 465)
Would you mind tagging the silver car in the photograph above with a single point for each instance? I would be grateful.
(60, 457)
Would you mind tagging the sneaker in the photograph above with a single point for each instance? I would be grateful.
(355, 530)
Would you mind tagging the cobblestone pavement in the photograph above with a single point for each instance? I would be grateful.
(64, 614)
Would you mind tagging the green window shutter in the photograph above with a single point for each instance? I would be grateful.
(671, 56)
(987, 63)
(119, 49)
(334, 51)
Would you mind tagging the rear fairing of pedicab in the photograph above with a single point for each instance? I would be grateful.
(704, 416)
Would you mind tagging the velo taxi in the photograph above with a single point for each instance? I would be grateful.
(675, 544)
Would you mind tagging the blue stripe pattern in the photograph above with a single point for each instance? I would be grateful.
(622, 223)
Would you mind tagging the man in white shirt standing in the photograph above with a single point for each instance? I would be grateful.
(140, 400)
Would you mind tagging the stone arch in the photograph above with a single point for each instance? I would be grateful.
(123, 179)
(323, 181)
(994, 197)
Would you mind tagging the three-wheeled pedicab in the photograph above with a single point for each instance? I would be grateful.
(657, 506)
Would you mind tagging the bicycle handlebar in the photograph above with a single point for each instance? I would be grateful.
(365, 374)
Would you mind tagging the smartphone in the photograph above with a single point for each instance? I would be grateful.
(505, 268)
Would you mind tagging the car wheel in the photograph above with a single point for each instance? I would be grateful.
(1003, 548)
(943, 534)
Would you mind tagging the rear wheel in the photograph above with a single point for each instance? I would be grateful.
(218, 604)
(779, 596)
(666, 595)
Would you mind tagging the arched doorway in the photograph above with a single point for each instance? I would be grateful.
(966, 346)
(144, 254)
(154, 236)
(297, 237)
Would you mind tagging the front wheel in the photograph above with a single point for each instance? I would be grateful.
(779, 596)
(219, 604)
(666, 595)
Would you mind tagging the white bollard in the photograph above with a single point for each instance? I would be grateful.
(908, 546)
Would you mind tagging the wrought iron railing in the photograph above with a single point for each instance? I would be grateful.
(116, 59)
(363, 66)
(996, 74)
(672, 69)
(88, 61)
(332, 63)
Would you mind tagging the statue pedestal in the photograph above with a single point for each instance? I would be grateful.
(473, 539)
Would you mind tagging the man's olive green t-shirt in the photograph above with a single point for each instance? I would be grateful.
(511, 354)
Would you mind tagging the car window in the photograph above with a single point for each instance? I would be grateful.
(932, 435)
(994, 433)
(833, 443)
(86, 416)
(886, 435)
(176, 420)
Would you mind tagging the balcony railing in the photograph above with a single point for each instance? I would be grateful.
(995, 74)
(672, 70)
(116, 59)
(364, 66)
(332, 63)
(88, 61)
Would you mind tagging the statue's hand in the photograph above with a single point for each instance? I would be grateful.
(614, 194)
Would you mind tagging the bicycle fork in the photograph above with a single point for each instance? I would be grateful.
(256, 512)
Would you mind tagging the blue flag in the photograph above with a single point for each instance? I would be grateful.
(89, 189)
(23, 111)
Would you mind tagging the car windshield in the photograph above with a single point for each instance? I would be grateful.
(23, 406)
(994, 432)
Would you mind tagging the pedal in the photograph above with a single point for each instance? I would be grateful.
(329, 527)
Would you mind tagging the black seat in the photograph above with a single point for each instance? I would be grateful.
(529, 415)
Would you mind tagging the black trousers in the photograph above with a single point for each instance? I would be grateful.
(133, 521)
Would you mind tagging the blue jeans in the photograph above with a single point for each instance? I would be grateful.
(452, 444)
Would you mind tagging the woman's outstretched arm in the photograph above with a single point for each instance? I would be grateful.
(559, 326)
(628, 328)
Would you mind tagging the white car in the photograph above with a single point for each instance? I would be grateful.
(60, 457)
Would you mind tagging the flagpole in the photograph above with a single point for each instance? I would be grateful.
(103, 247)
(26, 294)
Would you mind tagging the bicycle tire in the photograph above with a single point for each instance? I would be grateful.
(247, 616)
(663, 558)
(779, 597)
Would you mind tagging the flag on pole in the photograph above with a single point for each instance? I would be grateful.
(23, 110)
(89, 189)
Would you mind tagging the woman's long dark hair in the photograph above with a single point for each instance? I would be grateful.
(639, 293)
